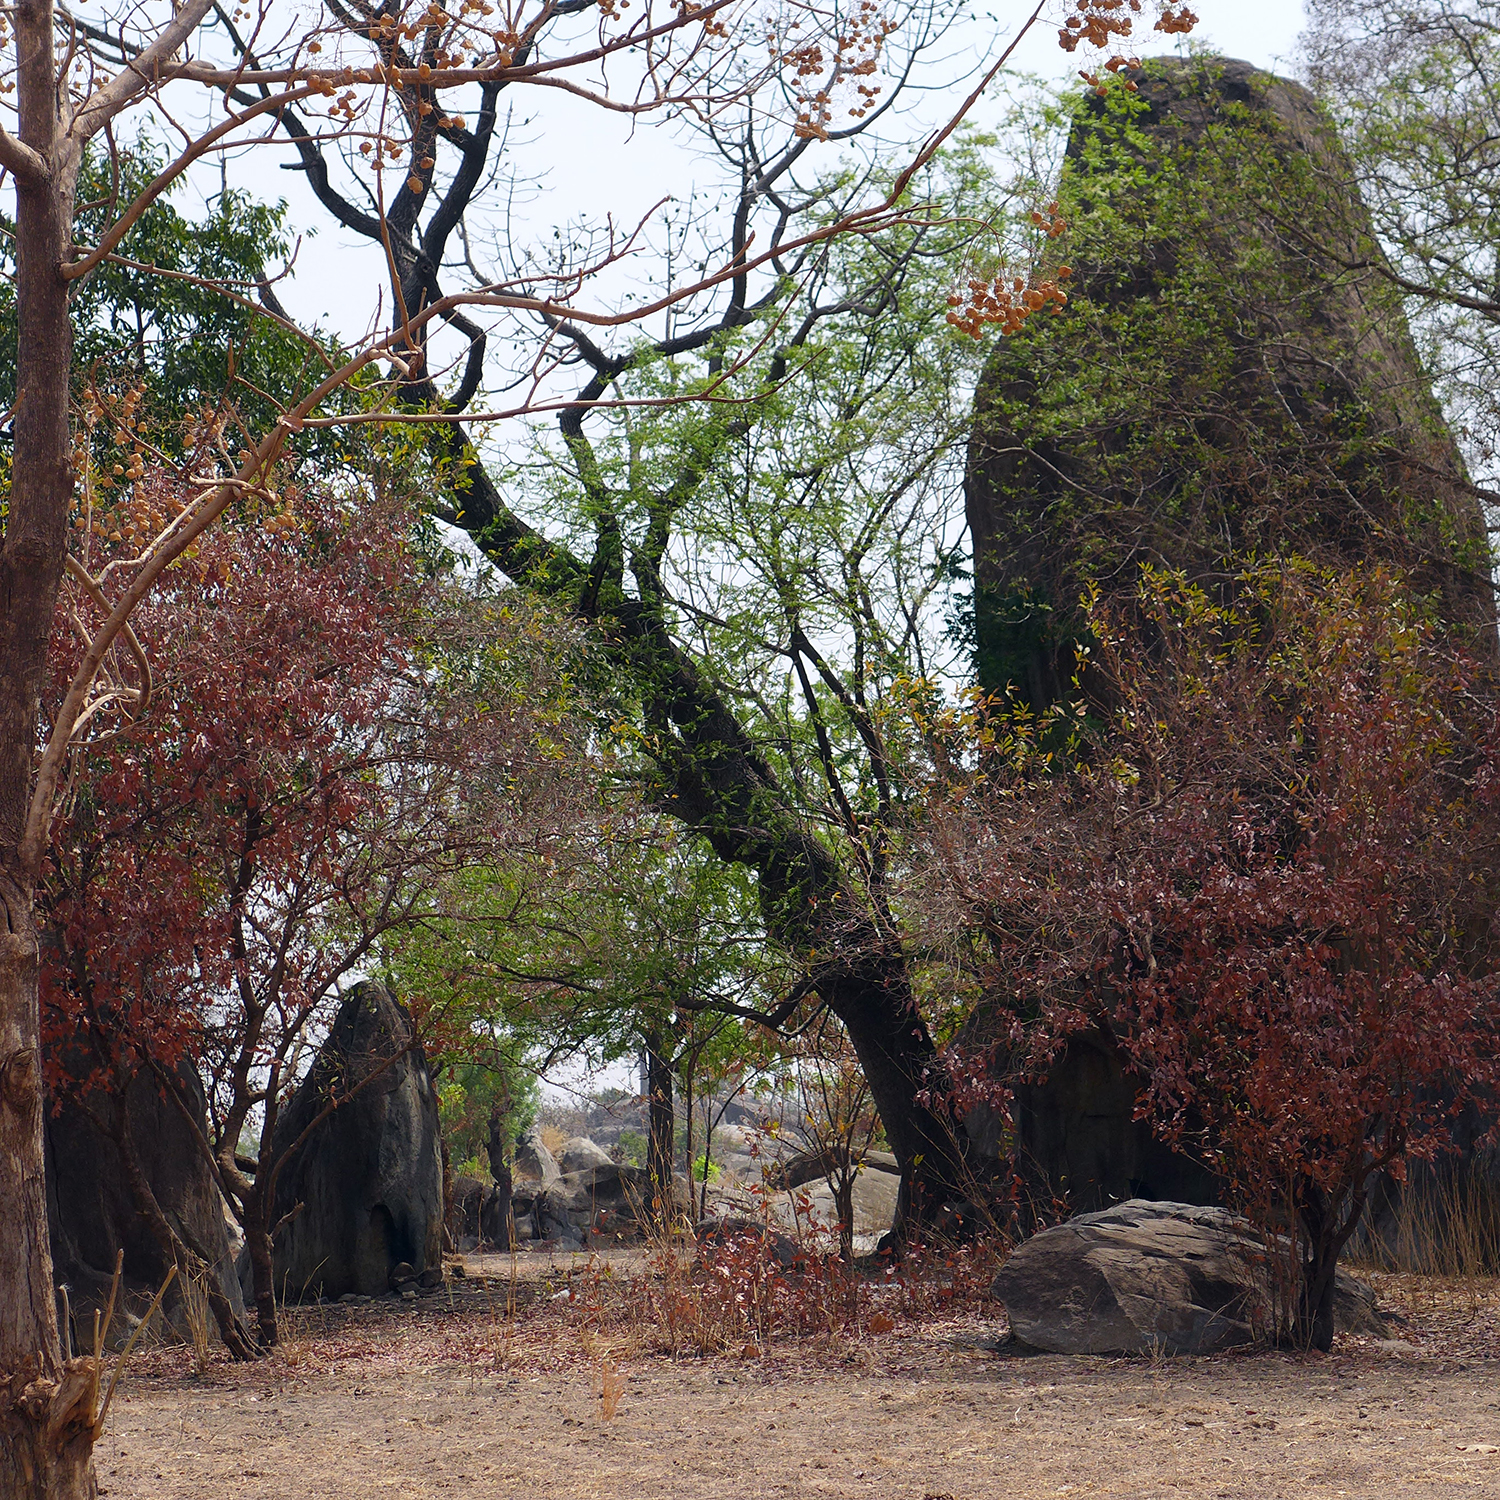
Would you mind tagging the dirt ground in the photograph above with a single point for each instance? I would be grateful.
(451, 1396)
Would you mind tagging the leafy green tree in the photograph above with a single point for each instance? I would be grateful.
(1414, 86)
(631, 938)
(183, 317)
(476, 1099)
(770, 569)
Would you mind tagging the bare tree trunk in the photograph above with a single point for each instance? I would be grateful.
(843, 1202)
(502, 1216)
(661, 1126)
(46, 1408)
(262, 1264)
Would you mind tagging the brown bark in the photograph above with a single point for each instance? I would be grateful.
(46, 1406)
(262, 1264)
(661, 1127)
(501, 1213)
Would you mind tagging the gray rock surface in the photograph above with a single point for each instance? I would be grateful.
(1146, 1277)
(92, 1216)
(534, 1163)
(369, 1178)
(1314, 430)
(581, 1153)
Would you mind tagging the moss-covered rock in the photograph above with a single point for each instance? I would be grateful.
(1218, 390)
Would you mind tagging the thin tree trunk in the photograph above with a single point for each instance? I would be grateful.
(502, 1214)
(262, 1266)
(661, 1127)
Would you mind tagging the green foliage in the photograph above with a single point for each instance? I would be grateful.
(1413, 87)
(467, 1095)
(796, 534)
(154, 323)
(633, 1146)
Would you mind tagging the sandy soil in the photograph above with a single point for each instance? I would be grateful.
(452, 1396)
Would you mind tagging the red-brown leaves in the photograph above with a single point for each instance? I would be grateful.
(1268, 874)
(308, 777)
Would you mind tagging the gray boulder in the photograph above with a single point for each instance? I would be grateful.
(367, 1184)
(534, 1163)
(1144, 1277)
(580, 1153)
(93, 1216)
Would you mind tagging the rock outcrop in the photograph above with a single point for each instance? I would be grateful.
(1148, 1278)
(534, 1163)
(92, 1215)
(367, 1184)
(1218, 389)
(581, 1153)
(1076, 1137)
(605, 1201)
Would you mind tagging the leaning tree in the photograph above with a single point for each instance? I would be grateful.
(381, 83)
(608, 555)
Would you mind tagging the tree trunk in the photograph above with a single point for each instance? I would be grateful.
(843, 1200)
(714, 778)
(501, 1214)
(262, 1265)
(46, 1408)
(907, 1082)
(450, 1223)
(661, 1127)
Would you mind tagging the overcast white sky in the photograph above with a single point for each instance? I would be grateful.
(592, 165)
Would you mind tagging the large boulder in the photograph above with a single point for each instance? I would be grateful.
(534, 1163)
(92, 1215)
(1216, 390)
(1075, 1136)
(1216, 393)
(1148, 1278)
(367, 1184)
(580, 1153)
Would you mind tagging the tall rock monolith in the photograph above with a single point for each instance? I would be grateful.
(1233, 380)
(364, 1190)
